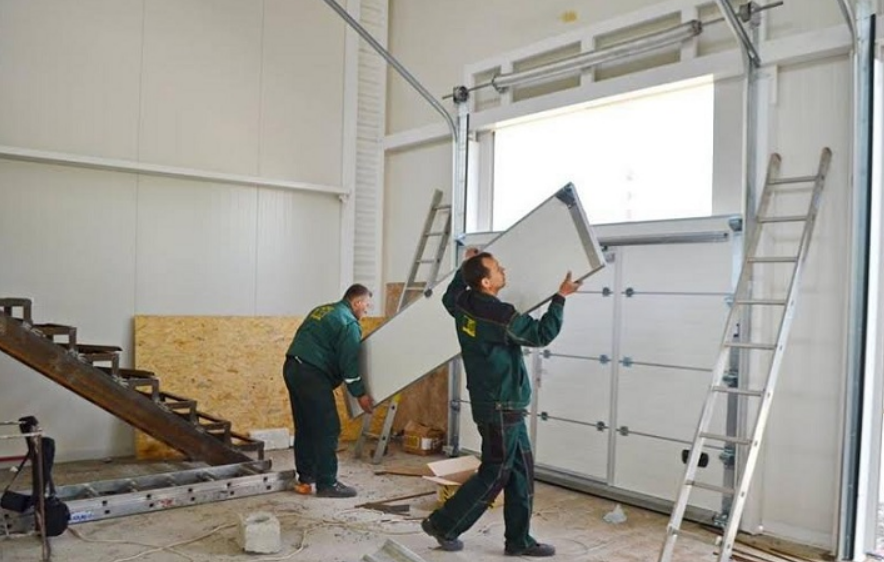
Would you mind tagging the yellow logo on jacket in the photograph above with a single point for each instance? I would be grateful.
(320, 312)
(469, 326)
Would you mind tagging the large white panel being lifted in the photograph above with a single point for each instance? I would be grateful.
(537, 252)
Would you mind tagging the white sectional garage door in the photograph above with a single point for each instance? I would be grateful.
(618, 394)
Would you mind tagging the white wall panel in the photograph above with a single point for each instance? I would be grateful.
(70, 75)
(435, 39)
(67, 238)
(201, 84)
(302, 93)
(298, 251)
(196, 248)
(802, 451)
(411, 179)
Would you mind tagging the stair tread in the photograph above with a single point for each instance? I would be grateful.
(15, 301)
(87, 348)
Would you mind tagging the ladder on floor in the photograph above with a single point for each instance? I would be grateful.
(745, 301)
(437, 226)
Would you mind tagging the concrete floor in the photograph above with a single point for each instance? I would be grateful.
(331, 530)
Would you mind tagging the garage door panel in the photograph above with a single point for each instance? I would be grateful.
(683, 268)
(664, 402)
(586, 329)
(673, 330)
(653, 467)
(572, 447)
(575, 389)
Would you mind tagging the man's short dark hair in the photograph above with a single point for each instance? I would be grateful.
(474, 270)
(356, 291)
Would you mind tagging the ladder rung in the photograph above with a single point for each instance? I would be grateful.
(764, 302)
(750, 345)
(434, 233)
(425, 261)
(712, 487)
(727, 438)
(791, 218)
(774, 259)
(739, 391)
(442, 207)
(801, 179)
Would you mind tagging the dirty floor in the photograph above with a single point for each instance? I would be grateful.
(331, 530)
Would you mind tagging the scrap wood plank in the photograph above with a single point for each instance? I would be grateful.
(422, 470)
(787, 551)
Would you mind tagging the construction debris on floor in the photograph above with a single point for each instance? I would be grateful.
(392, 500)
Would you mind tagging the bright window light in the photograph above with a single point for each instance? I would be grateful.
(643, 158)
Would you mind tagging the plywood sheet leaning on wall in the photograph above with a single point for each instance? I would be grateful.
(232, 367)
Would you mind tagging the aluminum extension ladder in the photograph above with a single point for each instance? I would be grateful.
(432, 230)
(721, 386)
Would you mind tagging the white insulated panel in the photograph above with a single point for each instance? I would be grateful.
(298, 249)
(398, 353)
(201, 79)
(470, 440)
(70, 76)
(664, 402)
(575, 389)
(197, 251)
(586, 327)
(653, 467)
(677, 330)
(302, 85)
(693, 268)
(575, 448)
(67, 241)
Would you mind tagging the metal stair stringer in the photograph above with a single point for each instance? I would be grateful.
(127, 404)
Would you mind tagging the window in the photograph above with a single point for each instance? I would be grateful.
(648, 157)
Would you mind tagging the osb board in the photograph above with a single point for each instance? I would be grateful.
(232, 366)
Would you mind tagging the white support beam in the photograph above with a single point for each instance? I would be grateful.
(133, 167)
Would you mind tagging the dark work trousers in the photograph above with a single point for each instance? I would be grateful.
(508, 465)
(317, 426)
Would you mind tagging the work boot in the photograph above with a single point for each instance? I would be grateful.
(539, 550)
(303, 488)
(448, 545)
(337, 490)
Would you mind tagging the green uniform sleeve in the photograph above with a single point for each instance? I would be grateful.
(348, 358)
(525, 330)
(455, 288)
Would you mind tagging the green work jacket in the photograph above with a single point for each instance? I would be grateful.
(328, 339)
(491, 335)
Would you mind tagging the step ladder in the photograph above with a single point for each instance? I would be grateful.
(728, 387)
(437, 226)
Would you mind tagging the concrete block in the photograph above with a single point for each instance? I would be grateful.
(275, 438)
(259, 533)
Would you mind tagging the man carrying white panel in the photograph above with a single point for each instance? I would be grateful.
(491, 334)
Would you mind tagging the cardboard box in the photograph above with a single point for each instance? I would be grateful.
(420, 439)
(449, 474)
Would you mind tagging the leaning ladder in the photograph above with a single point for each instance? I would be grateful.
(432, 230)
(728, 387)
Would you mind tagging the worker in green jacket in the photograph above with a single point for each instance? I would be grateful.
(491, 335)
(325, 353)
